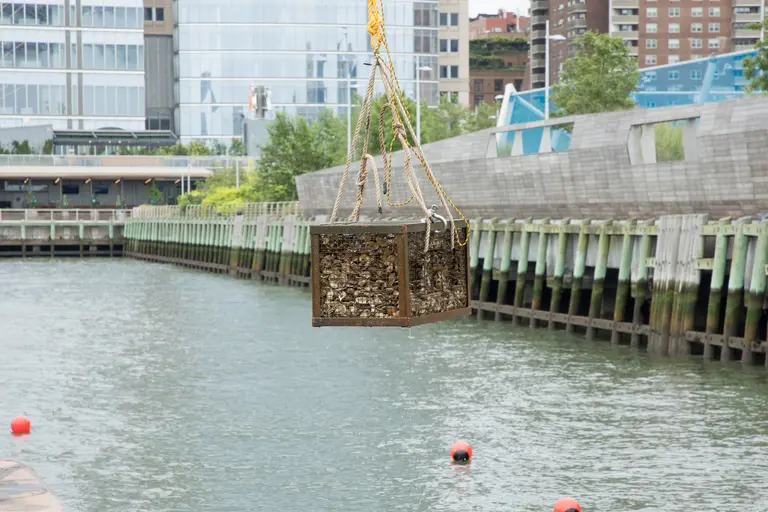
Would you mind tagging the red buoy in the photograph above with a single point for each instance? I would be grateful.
(567, 505)
(20, 425)
(461, 451)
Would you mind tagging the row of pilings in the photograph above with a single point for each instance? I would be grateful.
(676, 285)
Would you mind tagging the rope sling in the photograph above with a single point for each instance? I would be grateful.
(400, 123)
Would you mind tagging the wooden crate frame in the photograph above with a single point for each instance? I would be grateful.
(401, 231)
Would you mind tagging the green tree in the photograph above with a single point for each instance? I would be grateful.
(155, 196)
(599, 78)
(756, 68)
(295, 147)
(237, 148)
(21, 148)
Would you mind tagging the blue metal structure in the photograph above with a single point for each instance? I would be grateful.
(715, 78)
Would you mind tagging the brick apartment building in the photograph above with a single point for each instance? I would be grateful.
(656, 31)
(501, 24)
(666, 32)
(568, 18)
(498, 54)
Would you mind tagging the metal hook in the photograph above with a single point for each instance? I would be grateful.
(437, 217)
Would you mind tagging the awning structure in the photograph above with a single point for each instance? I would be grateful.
(102, 173)
(114, 137)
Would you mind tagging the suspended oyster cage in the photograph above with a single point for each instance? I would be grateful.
(377, 275)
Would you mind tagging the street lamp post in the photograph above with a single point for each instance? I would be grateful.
(555, 37)
(419, 69)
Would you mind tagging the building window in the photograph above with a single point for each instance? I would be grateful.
(674, 44)
(147, 14)
(714, 27)
(674, 28)
(697, 12)
(454, 97)
(674, 12)
(443, 19)
(697, 27)
(651, 76)
(443, 45)
(650, 59)
(454, 71)
(159, 14)
(673, 75)
(695, 43)
(673, 59)
(695, 74)
(650, 43)
(443, 71)
(498, 85)
(713, 44)
(714, 12)
(478, 86)
(454, 45)
(478, 100)
(454, 19)
(651, 28)
(651, 12)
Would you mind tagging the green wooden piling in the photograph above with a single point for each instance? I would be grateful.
(474, 256)
(756, 296)
(598, 281)
(735, 288)
(235, 243)
(640, 282)
(485, 282)
(306, 252)
(622, 289)
(522, 269)
(540, 273)
(559, 273)
(579, 265)
(716, 284)
(272, 259)
(506, 254)
(210, 245)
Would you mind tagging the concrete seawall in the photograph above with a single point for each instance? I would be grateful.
(63, 232)
(675, 285)
(610, 169)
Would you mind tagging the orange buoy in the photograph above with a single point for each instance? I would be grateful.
(461, 451)
(567, 505)
(20, 425)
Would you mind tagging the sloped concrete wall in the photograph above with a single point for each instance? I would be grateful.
(725, 171)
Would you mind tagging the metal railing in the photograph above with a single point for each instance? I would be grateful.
(64, 214)
(275, 209)
(207, 162)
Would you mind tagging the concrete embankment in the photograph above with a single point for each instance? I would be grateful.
(63, 232)
(676, 285)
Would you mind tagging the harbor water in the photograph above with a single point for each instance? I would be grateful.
(156, 388)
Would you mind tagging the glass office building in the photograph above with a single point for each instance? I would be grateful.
(72, 68)
(715, 78)
(309, 54)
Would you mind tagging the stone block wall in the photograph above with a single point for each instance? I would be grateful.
(724, 173)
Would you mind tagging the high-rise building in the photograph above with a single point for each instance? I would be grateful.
(72, 64)
(158, 64)
(666, 31)
(310, 55)
(567, 18)
(454, 50)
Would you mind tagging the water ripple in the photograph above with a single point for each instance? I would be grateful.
(157, 388)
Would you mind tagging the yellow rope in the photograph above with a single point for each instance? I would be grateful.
(376, 30)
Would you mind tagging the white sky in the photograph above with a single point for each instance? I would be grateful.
(492, 6)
